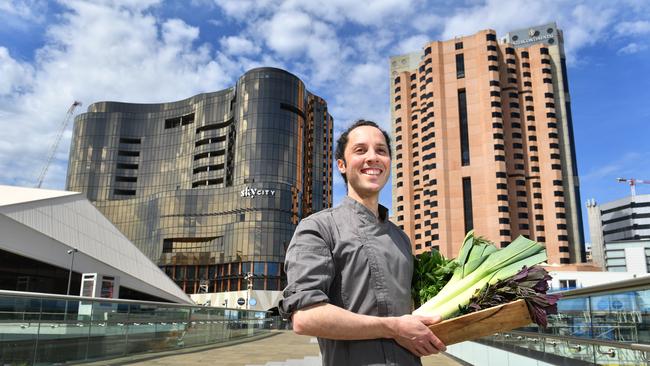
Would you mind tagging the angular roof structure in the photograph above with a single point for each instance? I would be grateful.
(44, 224)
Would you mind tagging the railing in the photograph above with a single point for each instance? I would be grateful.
(581, 350)
(605, 325)
(43, 329)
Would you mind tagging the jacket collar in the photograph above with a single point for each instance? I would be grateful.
(364, 211)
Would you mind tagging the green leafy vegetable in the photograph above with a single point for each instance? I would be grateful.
(487, 266)
(430, 273)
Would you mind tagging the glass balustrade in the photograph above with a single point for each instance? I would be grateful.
(42, 329)
(606, 327)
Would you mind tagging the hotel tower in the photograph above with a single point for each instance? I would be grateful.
(484, 141)
(211, 187)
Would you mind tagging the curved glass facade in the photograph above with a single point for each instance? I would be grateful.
(213, 186)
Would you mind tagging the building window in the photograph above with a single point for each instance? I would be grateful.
(464, 134)
(128, 140)
(459, 45)
(467, 203)
(460, 66)
(124, 192)
(491, 37)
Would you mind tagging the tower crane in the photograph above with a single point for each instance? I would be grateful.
(59, 135)
(632, 182)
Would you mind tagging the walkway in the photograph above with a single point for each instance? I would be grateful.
(281, 349)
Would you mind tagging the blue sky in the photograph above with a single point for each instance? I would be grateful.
(52, 53)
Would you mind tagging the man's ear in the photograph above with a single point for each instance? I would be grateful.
(340, 163)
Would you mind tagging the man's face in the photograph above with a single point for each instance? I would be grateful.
(367, 161)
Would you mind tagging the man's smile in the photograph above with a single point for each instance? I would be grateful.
(371, 171)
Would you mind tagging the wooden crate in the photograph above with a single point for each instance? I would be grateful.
(482, 323)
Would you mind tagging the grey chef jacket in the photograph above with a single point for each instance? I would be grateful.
(348, 257)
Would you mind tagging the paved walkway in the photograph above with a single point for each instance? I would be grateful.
(283, 348)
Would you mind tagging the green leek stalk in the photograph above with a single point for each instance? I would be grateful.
(511, 259)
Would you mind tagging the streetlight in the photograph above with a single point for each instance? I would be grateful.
(71, 251)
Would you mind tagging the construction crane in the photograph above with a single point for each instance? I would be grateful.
(632, 182)
(59, 135)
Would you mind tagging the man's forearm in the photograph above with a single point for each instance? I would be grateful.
(332, 322)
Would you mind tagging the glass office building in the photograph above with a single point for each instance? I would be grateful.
(212, 187)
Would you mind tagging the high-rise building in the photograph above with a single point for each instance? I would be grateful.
(620, 233)
(212, 187)
(483, 140)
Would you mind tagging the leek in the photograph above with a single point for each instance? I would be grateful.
(481, 264)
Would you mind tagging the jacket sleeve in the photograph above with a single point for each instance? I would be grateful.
(309, 267)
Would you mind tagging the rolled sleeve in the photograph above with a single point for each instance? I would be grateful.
(309, 268)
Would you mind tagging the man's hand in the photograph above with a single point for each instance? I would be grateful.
(412, 332)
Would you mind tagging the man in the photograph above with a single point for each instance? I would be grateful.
(349, 268)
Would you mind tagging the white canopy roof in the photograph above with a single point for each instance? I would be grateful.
(44, 224)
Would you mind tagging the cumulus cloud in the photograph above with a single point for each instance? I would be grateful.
(97, 52)
(584, 23)
(632, 48)
(413, 44)
(633, 28)
(29, 10)
(235, 45)
(129, 50)
(15, 77)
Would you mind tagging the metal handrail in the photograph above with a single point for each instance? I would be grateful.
(589, 341)
(115, 301)
(632, 284)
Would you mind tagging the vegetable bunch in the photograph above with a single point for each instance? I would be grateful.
(529, 284)
(431, 271)
(480, 266)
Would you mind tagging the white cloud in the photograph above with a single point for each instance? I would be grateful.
(15, 77)
(375, 13)
(632, 48)
(246, 9)
(633, 28)
(29, 10)
(98, 52)
(124, 50)
(235, 45)
(584, 23)
(288, 33)
(413, 44)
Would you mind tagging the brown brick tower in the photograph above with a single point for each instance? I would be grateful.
(483, 140)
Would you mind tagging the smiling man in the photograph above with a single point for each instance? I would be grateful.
(349, 268)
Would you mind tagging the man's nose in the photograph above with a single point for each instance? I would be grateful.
(372, 155)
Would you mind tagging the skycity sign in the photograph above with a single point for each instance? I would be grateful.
(254, 192)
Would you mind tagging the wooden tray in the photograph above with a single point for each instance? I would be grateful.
(482, 323)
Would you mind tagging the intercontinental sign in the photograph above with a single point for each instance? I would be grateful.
(532, 39)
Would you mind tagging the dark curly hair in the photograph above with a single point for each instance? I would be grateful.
(342, 142)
